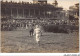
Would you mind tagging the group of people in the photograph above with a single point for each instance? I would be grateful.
(37, 32)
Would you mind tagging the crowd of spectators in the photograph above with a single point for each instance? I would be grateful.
(47, 25)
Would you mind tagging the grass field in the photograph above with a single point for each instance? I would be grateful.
(20, 42)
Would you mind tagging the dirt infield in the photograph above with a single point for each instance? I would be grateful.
(20, 42)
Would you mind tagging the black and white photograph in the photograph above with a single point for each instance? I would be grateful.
(39, 26)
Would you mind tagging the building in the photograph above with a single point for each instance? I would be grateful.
(27, 11)
(74, 11)
(24, 12)
(40, 1)
(74, 14)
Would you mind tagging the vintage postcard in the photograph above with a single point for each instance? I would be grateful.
(39, 26)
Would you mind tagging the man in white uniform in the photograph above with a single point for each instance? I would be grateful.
(37, 33)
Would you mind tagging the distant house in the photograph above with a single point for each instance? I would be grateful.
(74, 12)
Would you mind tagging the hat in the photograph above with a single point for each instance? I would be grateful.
(37, 26)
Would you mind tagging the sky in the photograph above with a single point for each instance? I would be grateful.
(62, 3)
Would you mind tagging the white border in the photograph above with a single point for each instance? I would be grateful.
(0, 26)
(79, 26)
(36, 54)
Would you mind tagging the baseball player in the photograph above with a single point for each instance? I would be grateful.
(37, 33)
